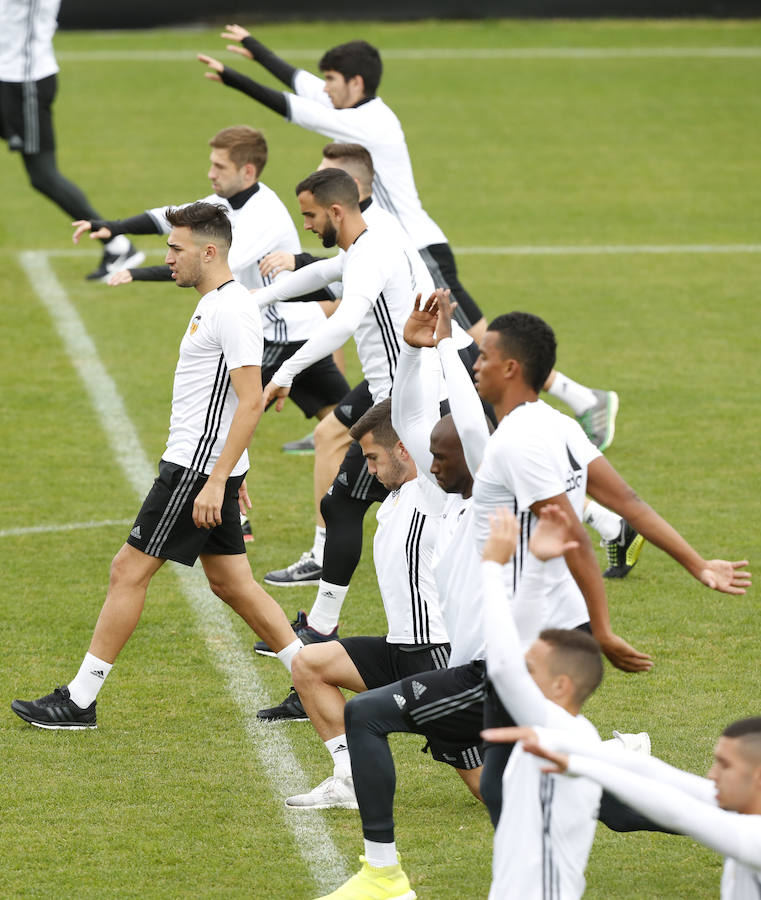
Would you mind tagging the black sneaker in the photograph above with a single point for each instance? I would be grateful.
(304, 446)
(306, 570)
(248, 534)
(623, 552)
(290, 710)
(56, 710)
(115, 262)
(304, 631)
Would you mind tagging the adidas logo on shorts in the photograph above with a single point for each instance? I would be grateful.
(343, 478)
(400, 701)
(346, 410)
(418, 689)
(135, 533)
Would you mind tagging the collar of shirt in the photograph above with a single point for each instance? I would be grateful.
(237, 200)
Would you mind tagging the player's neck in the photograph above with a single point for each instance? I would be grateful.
(351, 228)
(214, 278)
(514, 397)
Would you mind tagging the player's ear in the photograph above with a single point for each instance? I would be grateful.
(209, 252)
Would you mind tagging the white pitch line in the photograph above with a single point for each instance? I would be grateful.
(66, 526)
(229, 655)
(443, 53)
(539, 250)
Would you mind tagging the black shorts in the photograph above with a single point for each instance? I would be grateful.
(447, 707)
(26, 117)
(354, 404)
(380, 663)
(164, 526)
(440, 262)
(318, 386)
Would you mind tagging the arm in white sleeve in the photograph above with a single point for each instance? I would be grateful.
(505, 664)
(332, 334)
(303, 281)
(467, 412)
(305, 84)
(409, 416)
(339, 124)
(729, 833)
(612, 752)
(527, 605)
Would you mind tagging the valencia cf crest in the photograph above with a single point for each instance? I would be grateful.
(194, 324)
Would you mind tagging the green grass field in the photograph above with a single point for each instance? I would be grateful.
(652, 141)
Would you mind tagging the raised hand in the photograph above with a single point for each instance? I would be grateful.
(214, 65)
(503, 537)
(421, 325)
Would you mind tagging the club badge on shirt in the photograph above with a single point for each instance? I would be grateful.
(194, 324)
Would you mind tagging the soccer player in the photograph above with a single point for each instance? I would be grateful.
(408, 522)
(539, 456)
(344, 107)
(562, 667)
(193, 507)
(28, 86)
(260, 223)
(722, 811)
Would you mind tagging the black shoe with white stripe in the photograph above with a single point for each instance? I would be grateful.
(115, 262)
(290, 710)
(56, 710)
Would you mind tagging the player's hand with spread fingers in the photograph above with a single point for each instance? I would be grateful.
(122, 277)
(503, 537)
(726, 577)
(445, 306)
(237, 33)
(622, 655)
(81, 226)
(551, 537)
(421, 324)
(276, 262)
(215, 67)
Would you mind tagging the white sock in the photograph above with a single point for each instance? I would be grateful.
(88, 680)
(339, 750)
(287, 653)
(578, 397)
(327, 606)
(605, 522)
(318, 547)
(380, 855)
(118, 244)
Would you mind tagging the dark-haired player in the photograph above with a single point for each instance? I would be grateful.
(722, 811)
(193, 507)
(344, 106)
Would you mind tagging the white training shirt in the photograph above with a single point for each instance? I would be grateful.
(678, 800)
(535, 453)
(261, 226)
(377, 128)
(379, 288)
(224, 333)
(26, 39)
(456, 565)
(548, 822)
(408, 521)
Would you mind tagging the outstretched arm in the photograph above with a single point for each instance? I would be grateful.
(610, 489)
(274, 100)
(249, 47)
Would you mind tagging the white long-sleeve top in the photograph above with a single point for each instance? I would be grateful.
(375, 126)
(26, 39)
(414, 413)
(546, 829)
(678, 800)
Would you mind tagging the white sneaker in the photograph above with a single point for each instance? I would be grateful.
(333, 793)
(637, 743)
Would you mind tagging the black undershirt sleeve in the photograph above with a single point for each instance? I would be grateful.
(274, 100)
(303, 259)
(272, 63)
(144, 223)
(151, 273)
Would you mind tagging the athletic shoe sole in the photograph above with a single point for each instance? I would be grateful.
(68, 726)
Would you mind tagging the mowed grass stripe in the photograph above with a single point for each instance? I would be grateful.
(225, 648)
(445, 53)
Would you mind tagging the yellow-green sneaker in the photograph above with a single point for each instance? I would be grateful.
(386, 883)
(623, 551)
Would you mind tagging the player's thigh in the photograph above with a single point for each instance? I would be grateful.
(328, 663)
